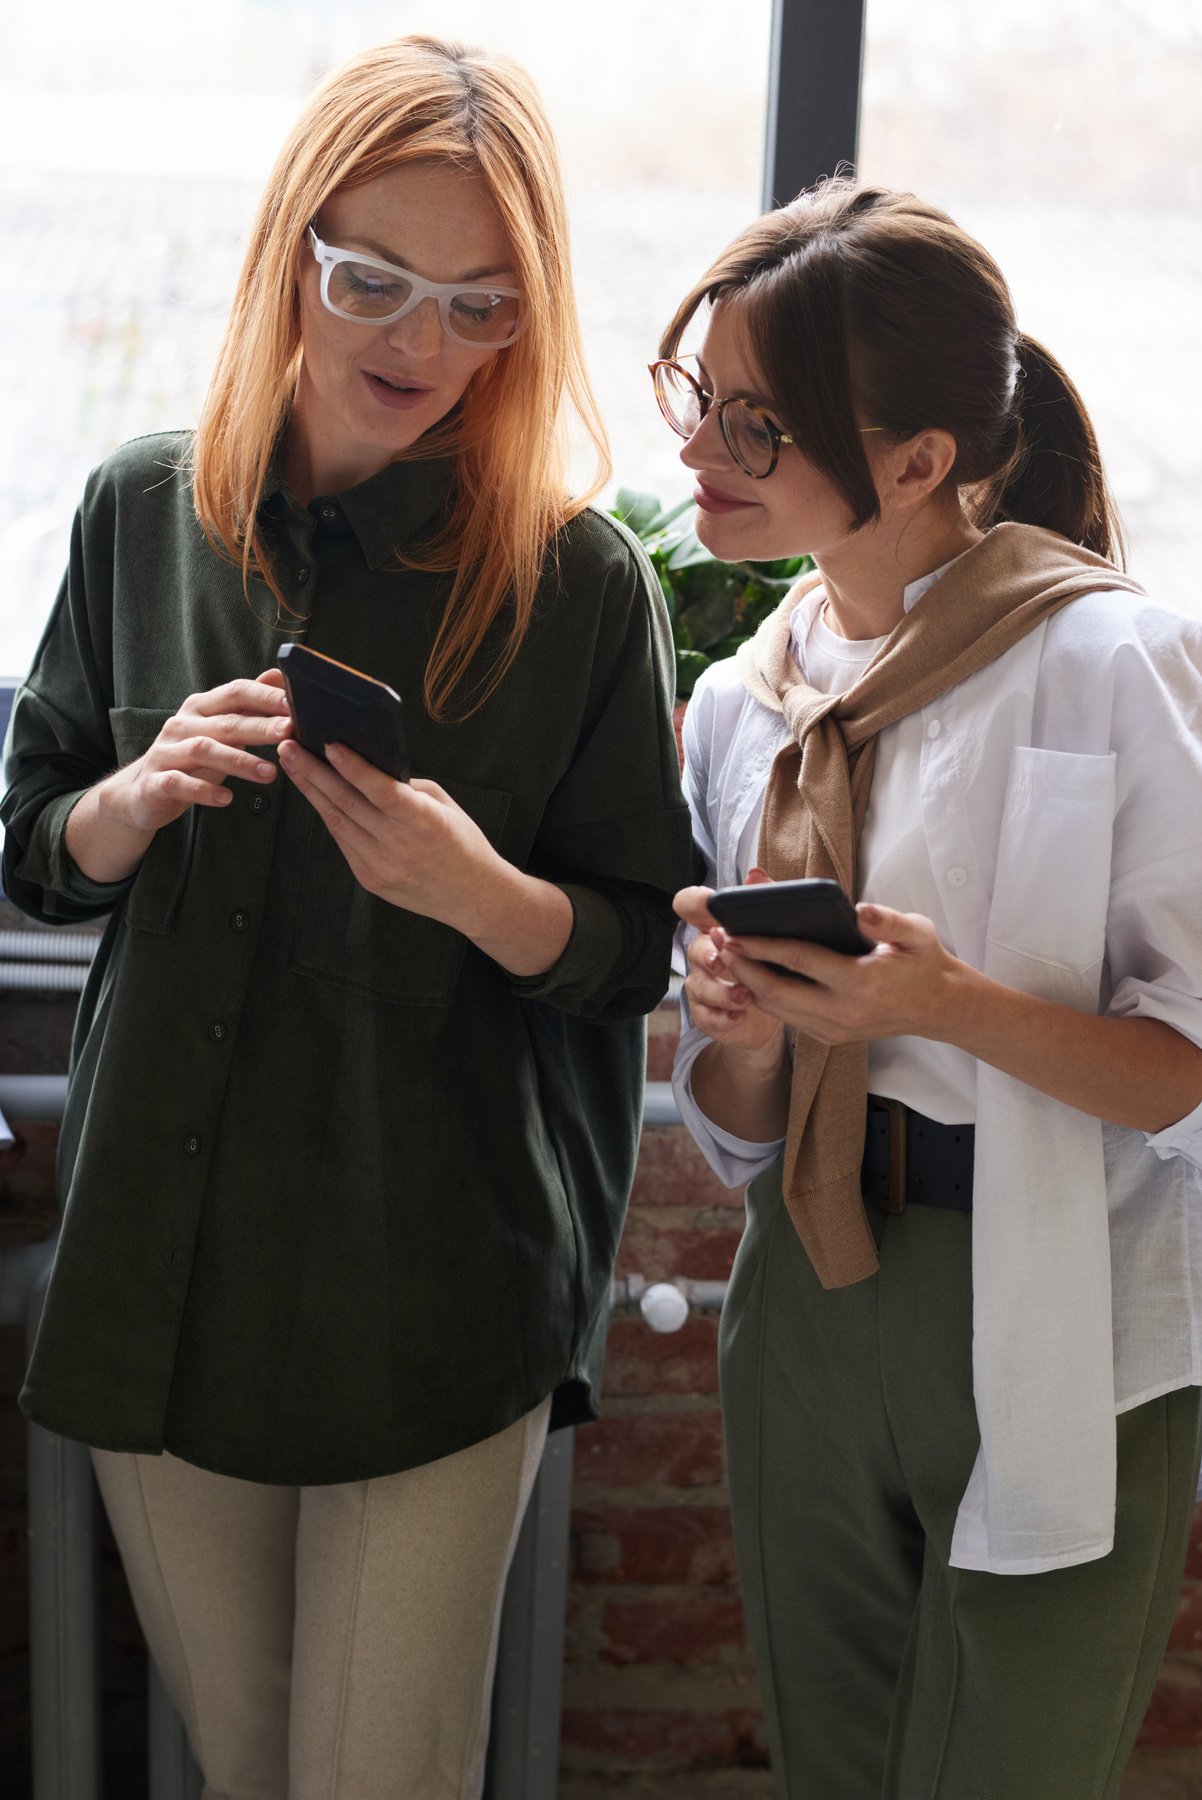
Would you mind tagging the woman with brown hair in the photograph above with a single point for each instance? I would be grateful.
(357, 1078)
(962, 1347)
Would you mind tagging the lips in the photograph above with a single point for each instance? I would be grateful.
(397, 391)
(713, 500)
(403, 383)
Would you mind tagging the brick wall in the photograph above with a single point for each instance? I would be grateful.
(658, 1679)
(660, 1695)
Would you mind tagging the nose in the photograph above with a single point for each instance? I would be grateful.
(419, 334)
(707, 447)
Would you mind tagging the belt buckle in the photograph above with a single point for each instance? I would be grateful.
(895, 1200)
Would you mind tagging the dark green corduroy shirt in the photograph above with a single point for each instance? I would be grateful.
(340, 1195)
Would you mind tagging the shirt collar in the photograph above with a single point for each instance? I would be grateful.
(916, 589)
(810, 606)
(386, 511)
(393, 506)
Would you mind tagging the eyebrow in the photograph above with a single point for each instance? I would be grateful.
(761, 400)
(487, 274)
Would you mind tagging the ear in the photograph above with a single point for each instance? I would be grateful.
(919, 466)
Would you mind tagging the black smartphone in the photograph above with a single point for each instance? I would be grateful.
(334, 704)
(817, 912)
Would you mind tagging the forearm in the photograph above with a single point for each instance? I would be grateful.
(745, 1092)
(521, 922)
(1137, 1072)
(102, 845)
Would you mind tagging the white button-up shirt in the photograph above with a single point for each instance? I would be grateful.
(1061, 797)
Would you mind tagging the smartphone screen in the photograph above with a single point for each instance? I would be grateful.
(816, 912)
(334, 704)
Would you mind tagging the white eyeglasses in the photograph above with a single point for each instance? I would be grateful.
(375, 293)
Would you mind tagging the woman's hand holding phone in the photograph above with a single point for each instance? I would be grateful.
(212, 736)
(908, 986)
(409, 843)
(719, 1004)
(209, 739)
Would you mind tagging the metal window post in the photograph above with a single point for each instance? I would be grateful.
(815, 71)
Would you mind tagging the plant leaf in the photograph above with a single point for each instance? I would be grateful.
(689, 665)
(636, 510)
(690, 552)
(672, 512)
(707, 603)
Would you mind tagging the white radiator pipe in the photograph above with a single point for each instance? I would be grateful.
(665, 1305)
(47, 946)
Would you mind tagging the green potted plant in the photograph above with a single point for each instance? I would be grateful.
(714, 606)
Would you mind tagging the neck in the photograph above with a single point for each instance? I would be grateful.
(865, 578)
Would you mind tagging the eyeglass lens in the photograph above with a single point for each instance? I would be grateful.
(473, 315)
(747, 435)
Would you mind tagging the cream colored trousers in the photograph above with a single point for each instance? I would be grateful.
(328, 1643)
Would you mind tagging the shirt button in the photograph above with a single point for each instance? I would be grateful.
(218, 1031)
(239, 920)
(302, 575)
(956, 877)
(193, 1144)
(329, 512)
(260, 803)
(934, 728)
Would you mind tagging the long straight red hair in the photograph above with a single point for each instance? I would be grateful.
(419, 98)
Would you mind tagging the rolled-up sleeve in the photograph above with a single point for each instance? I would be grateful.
(735, 1161)
(614, 835)
(1153, 942)
(59, 741)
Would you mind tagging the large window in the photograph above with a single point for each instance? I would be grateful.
(1064, 134)
(134, 138)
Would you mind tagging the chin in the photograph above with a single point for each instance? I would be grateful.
(736, 538)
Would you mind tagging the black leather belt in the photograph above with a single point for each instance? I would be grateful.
(912, 1160)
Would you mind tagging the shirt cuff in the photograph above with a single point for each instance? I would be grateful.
(594, 946)
(49, 874)
(1132, 1000)
(1182, 1139)
(734, 1160)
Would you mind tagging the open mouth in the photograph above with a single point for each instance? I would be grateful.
(398, 385)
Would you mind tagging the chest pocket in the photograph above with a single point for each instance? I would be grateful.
(155, 895)
(1052, 890)
(348, 936)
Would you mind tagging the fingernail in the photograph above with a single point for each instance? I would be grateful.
(288, 754)
(336, 753)
(871, 913)
(264, 771)
(282, 726)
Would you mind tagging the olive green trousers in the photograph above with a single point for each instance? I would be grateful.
(851, 1431)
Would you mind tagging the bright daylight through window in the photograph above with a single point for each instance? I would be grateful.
(135, 139)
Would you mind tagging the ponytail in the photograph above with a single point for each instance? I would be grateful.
(1055, 477)
(866, 304)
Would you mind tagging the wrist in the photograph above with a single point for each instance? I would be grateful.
(522, 922)
(958, 999)
(491, 900)
(113, 800)
(757, 1061)
(102, 841)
